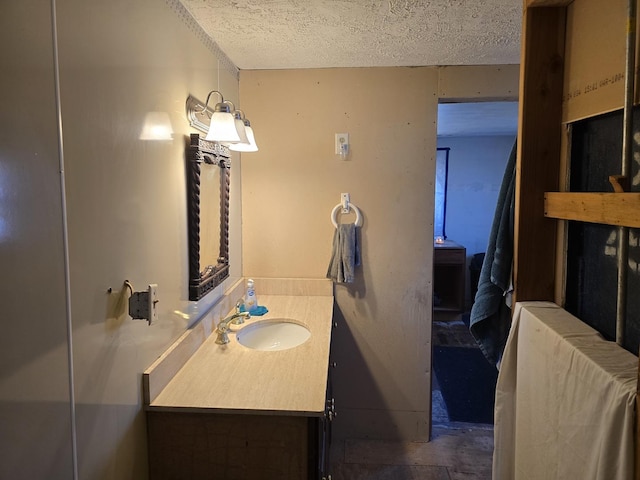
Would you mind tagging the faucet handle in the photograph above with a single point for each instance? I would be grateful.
(221, 330)
(222, 338)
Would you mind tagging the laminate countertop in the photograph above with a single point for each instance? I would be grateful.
(235, 379)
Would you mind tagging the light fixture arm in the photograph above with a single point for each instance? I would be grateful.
(206, 103)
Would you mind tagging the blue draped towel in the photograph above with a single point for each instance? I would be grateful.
(490, 315)
(345, 255)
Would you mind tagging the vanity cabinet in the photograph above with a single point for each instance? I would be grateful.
(203, 445)
(229, 446)
(231, 412)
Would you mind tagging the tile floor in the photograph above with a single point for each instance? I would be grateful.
(457, 451)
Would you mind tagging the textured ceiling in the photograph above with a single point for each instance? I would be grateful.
(279, 34)
(285, 34)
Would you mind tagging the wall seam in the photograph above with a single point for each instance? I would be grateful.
(65, 242)
(203, 36)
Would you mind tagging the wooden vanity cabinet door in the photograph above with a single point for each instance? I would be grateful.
(320, 430)
(320, 439)
(209, 446)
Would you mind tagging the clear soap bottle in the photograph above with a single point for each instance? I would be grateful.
(250, 300)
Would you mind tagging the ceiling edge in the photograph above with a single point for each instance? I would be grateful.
(191, 23)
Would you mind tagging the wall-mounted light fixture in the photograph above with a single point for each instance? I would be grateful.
(224, 124)
(240, 128)
(251, 145)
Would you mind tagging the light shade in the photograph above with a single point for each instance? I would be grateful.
(251, 146)
(157, 126)
(226, 124)
(242, 131)
(222, 128)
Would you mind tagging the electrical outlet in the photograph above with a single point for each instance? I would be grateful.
(342, 143)
(153, 300)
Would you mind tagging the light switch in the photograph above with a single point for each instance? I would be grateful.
(342, 144)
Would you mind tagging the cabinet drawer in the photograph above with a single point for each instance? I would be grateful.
(450, 256)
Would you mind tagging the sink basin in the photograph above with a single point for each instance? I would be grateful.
(273, 335)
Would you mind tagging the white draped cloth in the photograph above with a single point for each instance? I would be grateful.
(564, 400)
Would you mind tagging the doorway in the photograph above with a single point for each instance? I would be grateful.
(478, 138)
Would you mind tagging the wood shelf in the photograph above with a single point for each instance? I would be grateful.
(620, 209)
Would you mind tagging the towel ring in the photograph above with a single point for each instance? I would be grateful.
(338, 207)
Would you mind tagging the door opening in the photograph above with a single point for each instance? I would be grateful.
(477, 138)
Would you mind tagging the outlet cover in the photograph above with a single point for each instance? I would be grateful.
(341, 139)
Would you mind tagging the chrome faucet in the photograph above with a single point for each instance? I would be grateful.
(237, 318)
(240, 306)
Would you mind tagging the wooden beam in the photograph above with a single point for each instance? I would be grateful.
(547, 3)
(637, 429)
(539, 151)
(620, 209)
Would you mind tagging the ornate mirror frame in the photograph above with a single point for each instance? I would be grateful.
(204, 278)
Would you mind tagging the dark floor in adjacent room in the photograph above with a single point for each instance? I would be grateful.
(457, 451)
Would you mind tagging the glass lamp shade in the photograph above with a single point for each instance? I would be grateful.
(242, 131)
(157, 126)
(246, 147)
(222, 128)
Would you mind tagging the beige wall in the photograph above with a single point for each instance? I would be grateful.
(383, 342)
(127, 219)
(35, 413)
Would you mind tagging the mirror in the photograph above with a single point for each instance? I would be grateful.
(208, 215)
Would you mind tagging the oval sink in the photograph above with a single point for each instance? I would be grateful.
(273, 335)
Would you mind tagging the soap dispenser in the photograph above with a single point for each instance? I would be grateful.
(250, 301)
